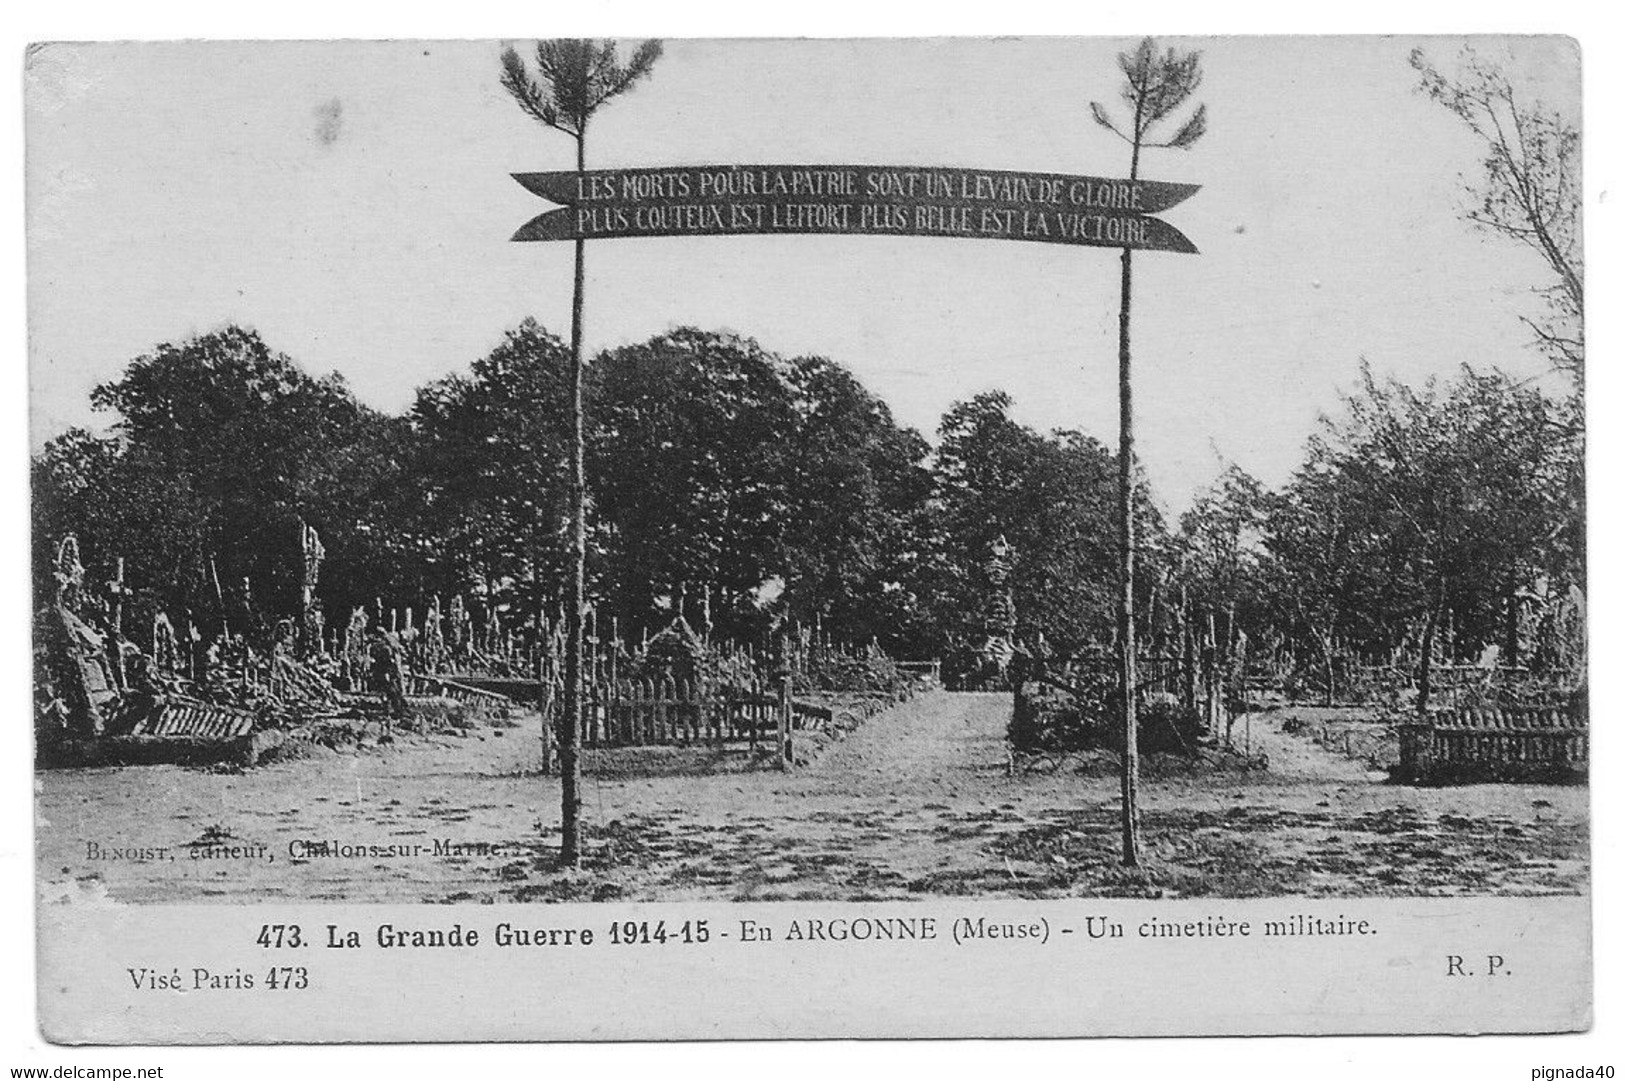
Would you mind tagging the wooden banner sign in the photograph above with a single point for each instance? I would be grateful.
(856, 199)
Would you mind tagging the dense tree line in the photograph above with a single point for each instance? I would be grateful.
(743, 490)
(738, 488)
(1052, 499)
(1455, 508)
(219, 449)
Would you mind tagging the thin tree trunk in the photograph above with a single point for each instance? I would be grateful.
(1424, 682)
(570, 719)
(116, 654)
(1188, 637)
(1210, 678)
(1226, 679)
(1510, 651)
(1331, 671)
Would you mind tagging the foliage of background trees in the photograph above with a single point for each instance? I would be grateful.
(489, 509)
(1052, 497)
(1460, 502)
(219, 450)
(743, 489)
(727, 484)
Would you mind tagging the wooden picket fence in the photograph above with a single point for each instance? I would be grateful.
(931, 669)
(658, 712)
(668, 712)
(1505, 743)
(192, 718)
(440, 687)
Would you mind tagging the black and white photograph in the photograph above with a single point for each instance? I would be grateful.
(1119, 493)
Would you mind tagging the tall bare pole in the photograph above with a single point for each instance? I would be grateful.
(575, 78)
(1155, 85)
(1125, 538)
(570, 722)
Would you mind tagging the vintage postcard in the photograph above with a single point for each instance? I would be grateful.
(808, 538)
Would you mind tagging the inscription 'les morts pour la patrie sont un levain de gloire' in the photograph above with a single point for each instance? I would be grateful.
(856, 199)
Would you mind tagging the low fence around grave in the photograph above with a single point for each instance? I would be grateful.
(1505, 743)
(181, 716)
(464, 691)
(633, 713)
(658, 712)
(177, 730)
(931, 669)
(666, 712)
(772, 717)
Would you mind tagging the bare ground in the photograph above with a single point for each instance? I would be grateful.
(922, 800)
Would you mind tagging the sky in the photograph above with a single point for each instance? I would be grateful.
(352, 202)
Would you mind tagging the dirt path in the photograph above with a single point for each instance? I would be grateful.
(1297, 758)
(957, 742)
(921, 800)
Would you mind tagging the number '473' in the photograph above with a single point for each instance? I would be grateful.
(287, 979)
(275, 936)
